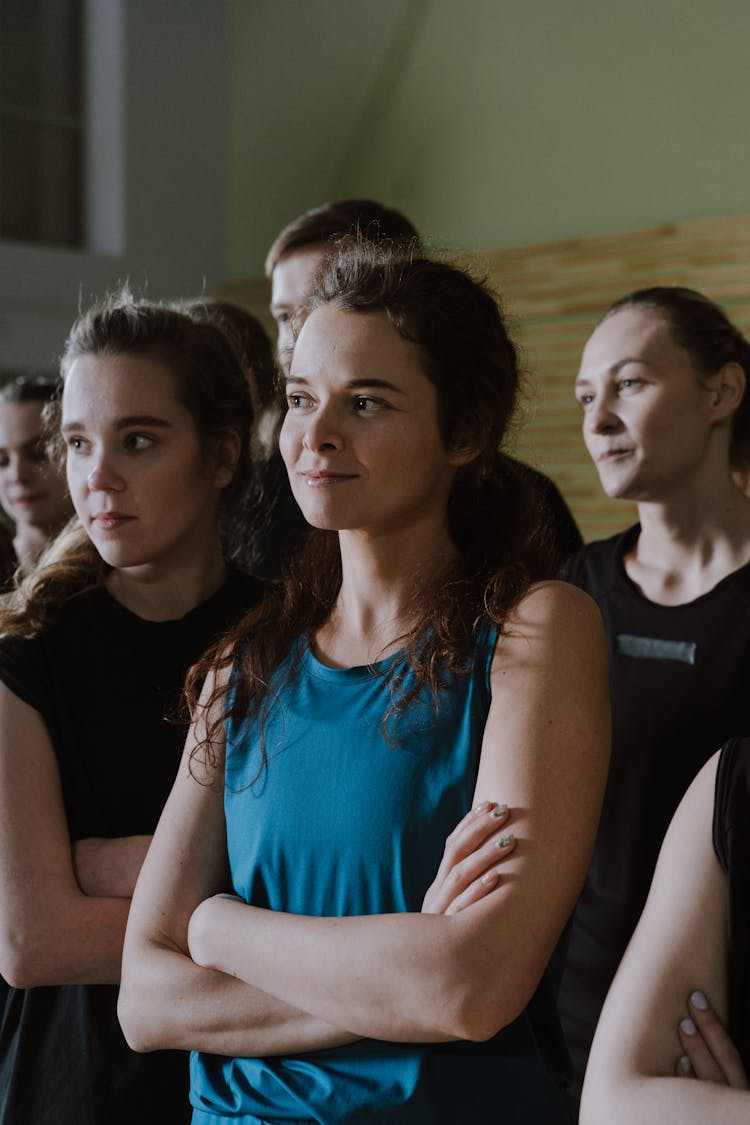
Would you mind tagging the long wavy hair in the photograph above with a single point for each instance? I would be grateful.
(209, 382)
(493, 517)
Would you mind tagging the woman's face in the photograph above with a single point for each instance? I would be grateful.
(142, 484)
(32, 491)
(361, 439)
(647, 419)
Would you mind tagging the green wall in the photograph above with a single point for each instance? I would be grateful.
(490, 122)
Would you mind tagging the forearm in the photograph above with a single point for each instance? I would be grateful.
(167, 1001)
(400, 977)
(109, 867)
(70, 939)
(662, 1101)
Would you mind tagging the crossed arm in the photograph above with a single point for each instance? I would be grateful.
(655, 1033)
(202, 970)
(63, 906)
(51, 932)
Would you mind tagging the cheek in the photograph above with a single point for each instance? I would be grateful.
(587, 436)
(75, 479)
(288, 442)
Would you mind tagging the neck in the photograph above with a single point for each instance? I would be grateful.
(380, 575)
(167, 593)
(689, 543)
(696, 522)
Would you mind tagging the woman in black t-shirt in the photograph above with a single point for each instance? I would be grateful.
(666, 419)
(154, 418)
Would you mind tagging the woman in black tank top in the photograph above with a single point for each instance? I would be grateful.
(661, 1052)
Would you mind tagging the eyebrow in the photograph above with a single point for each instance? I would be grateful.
(126, 422)
(354, 384)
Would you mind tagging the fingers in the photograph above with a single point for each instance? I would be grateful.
(468, 870)
(709, 1052)
(485, 883)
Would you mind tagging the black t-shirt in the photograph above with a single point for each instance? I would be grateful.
(731, 835)
(679, 679)
(108, 686)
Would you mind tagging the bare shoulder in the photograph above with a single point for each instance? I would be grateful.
(554, 622)
(555, 600)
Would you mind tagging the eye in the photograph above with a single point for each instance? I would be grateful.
(585, 400)
(76, 444)
(4, 460)
(298, 401)
(364, 404)
(138, 442)
(628, 384)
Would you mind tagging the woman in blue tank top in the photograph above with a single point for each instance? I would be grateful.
(300, 923)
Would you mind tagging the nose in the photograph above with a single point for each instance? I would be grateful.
(600, 417)
(323, 431)
(19, 469)
(102, 476)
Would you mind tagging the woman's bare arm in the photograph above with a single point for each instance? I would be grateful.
(463, 975)
(109, 866)
(50, 932)
(678, 948)
(166, 1000)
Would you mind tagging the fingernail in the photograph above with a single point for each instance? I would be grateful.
(482, 806)
(687, 1027)
(699, 1001)
(499, 810)
(685, 1065)
(490, 877)
(504, 841)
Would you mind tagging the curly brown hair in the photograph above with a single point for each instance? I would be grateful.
(493, 517)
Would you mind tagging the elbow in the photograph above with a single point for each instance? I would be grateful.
(132, 1012)
(479, 1012)
(480, 1022)
(22, 963)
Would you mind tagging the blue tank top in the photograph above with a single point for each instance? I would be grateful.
(348, 816)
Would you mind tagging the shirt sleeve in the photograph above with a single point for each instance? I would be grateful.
(23, 670)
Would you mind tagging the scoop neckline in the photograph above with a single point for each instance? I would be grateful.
(628, 540)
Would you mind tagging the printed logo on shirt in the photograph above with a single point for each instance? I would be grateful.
(655, 648)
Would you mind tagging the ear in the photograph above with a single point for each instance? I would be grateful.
(227, 458)
(464, 454)
(466, 447)
(727, 390)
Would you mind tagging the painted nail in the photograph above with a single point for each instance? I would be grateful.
(687, 1027)
(499, 810)
(504, 841)
(685, 1065)
(699, 1001)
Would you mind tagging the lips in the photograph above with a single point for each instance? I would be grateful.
(110, 521)
(323, 479)
(612, 455)
(28, 498)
